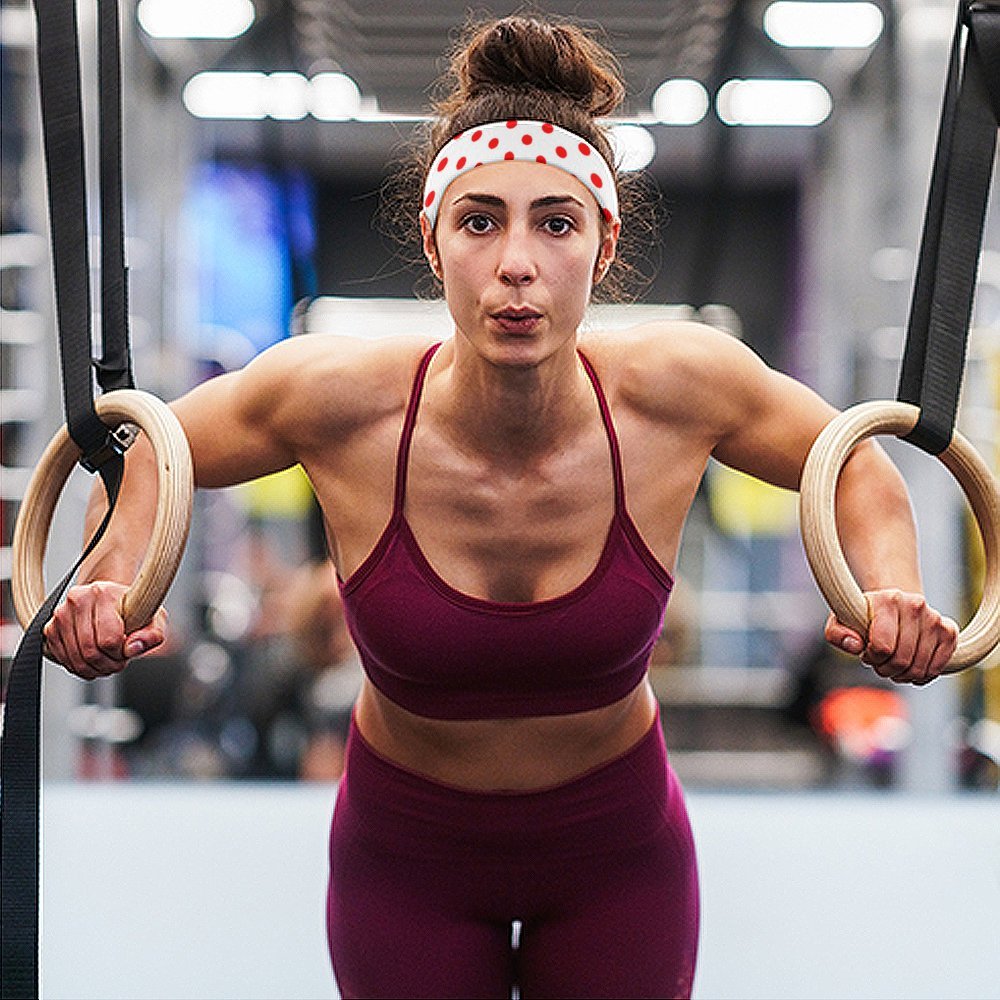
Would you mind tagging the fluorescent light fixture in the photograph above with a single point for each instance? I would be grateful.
(227, 95)
(773, 102)
(288, 96)
(680, 101)
(283, 96)
(334, 97)
(824, 25)
(634, 147)
(195, 18)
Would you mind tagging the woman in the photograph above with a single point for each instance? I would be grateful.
(506, 768)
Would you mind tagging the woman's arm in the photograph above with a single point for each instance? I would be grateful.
(764, 423)
(239, 426)
(907, 640)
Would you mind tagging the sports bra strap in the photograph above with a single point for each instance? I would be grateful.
(609, 427)
(409, 422)
(403, 455)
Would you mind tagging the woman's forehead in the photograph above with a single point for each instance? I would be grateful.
(518, 183)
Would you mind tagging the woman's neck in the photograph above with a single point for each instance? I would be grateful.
(514, 412)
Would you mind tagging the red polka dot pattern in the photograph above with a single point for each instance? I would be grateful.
(530, 141)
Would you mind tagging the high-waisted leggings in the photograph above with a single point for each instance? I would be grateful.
(597, 875)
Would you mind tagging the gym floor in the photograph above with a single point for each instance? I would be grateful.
(171, 891)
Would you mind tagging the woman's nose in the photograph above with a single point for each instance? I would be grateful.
(516, 266)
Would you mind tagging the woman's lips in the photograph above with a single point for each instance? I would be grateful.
(517, 321)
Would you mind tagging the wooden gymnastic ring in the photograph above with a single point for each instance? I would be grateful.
(819, 528)
(175, 489)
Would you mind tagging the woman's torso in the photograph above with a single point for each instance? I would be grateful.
(522, 533)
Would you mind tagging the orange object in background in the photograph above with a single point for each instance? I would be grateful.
(863, 722)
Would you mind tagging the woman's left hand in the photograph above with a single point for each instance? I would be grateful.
(908, 641)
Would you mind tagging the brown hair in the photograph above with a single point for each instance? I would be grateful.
(523, 67)
(533, 68)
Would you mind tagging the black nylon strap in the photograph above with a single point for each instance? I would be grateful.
(62, 130)
(944, 287)
(62, 126)
(20, 781)
(62, 119)
(114, 369)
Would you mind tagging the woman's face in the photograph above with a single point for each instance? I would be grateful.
(518, 247)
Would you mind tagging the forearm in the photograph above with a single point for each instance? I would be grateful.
(120, 551)
(875, 522)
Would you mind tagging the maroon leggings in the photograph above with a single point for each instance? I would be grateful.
(427, 882)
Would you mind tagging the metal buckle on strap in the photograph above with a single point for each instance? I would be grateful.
(116, 443)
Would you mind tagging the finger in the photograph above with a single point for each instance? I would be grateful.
(144, 639)
(81, 603)
(843, 637)
(883, 636)
(914, 643)
(108, 626)
(915, 671)
(945, 649)
(72, 658)
(108, 634)
(54, 647)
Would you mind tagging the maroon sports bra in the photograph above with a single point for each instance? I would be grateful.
(444, 654)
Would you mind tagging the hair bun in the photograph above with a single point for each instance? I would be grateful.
(523, 53)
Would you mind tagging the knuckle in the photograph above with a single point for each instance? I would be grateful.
(76, 597)
(894, 596)
(89, 651)
(107, 646)
(948, 629)
(879, 647)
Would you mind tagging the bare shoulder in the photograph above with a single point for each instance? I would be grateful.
(300, 398)
(673, 370)
(705, 383)
(320, 384)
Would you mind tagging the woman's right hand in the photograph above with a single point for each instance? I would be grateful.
(87, 633)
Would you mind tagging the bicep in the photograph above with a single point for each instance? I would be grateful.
(774, 422)
(230, 428)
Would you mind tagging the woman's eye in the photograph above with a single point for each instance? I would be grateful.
(558, 225)
(477, 223)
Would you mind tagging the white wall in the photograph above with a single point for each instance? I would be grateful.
(217, 891)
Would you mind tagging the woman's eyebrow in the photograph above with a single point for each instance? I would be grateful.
(496, 202)
(481, 199)
(556, 199)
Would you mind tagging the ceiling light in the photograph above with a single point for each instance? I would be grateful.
(773, 102)
(195, 18)
(680, 101)
(634, 147)
(287, 96)
(829, 25)
(227, 95)
(284, 96)
(334, 97)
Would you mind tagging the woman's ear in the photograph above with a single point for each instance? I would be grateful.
(430, 246)
(608, 249)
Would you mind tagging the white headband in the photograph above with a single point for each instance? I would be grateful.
(532, 141)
